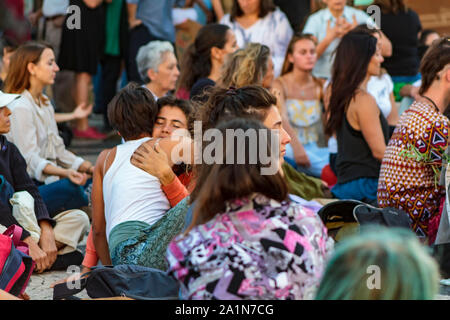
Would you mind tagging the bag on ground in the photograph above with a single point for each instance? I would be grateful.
(344, 217)
(16, 266)
(137, 282)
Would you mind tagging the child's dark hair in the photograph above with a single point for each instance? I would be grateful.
(183, 105)
(133, 111)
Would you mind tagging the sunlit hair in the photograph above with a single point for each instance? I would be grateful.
(407, 271)
(18, 78)
(245, 66)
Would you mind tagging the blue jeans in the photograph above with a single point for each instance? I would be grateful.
(63, 195)
(361, 189)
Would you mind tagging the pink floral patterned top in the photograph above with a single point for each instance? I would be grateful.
(257, 249)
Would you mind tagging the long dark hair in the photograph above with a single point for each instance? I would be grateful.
(196, 61)
(351, 62)
(220, 183)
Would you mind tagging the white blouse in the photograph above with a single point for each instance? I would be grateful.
(35, 133)
(381, 88)
(273, 30)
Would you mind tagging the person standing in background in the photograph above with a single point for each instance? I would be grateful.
(50, 30)
(80, 52)
(15, 24)
(296, 11)
(329, 25)
(402, 26)
(116, 37)
(259, 21)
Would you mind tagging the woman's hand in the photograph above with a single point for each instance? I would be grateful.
(86, 167)
(77, 177)
(82, 111)
(154, 161)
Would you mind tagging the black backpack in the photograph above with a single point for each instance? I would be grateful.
(344, 217)
(136, 282)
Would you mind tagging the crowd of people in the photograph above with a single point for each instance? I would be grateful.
(343, 110)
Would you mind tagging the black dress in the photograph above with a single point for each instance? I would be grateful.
(402, 29)
(82, 48)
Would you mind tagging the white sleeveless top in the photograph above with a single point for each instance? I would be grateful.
(129, 193)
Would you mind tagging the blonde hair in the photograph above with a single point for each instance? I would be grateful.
(245, 66)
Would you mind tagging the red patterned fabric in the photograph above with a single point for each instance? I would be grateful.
(409, 184)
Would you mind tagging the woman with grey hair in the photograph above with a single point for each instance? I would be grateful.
(158, 68)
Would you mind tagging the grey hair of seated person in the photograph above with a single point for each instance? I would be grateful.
(150, 56)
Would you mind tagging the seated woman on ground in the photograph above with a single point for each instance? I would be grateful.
(173, 114)
(361, 130)
(52, 239)
(381, 86)
(157, 66)
(405, 269)
(235, 247)
(301, 96)
(252, 102)
(410, 169)
(176, 183)
(61, 176)
(128, 203)
(253, 65)
(203, 59)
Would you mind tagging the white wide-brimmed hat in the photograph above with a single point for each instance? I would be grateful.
(7, 98)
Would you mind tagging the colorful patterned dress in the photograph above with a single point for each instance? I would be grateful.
(410, 184)
(257, 249)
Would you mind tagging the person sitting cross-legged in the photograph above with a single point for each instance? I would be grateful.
(52, 238)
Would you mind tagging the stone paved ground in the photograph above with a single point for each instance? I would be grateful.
(39, 286)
